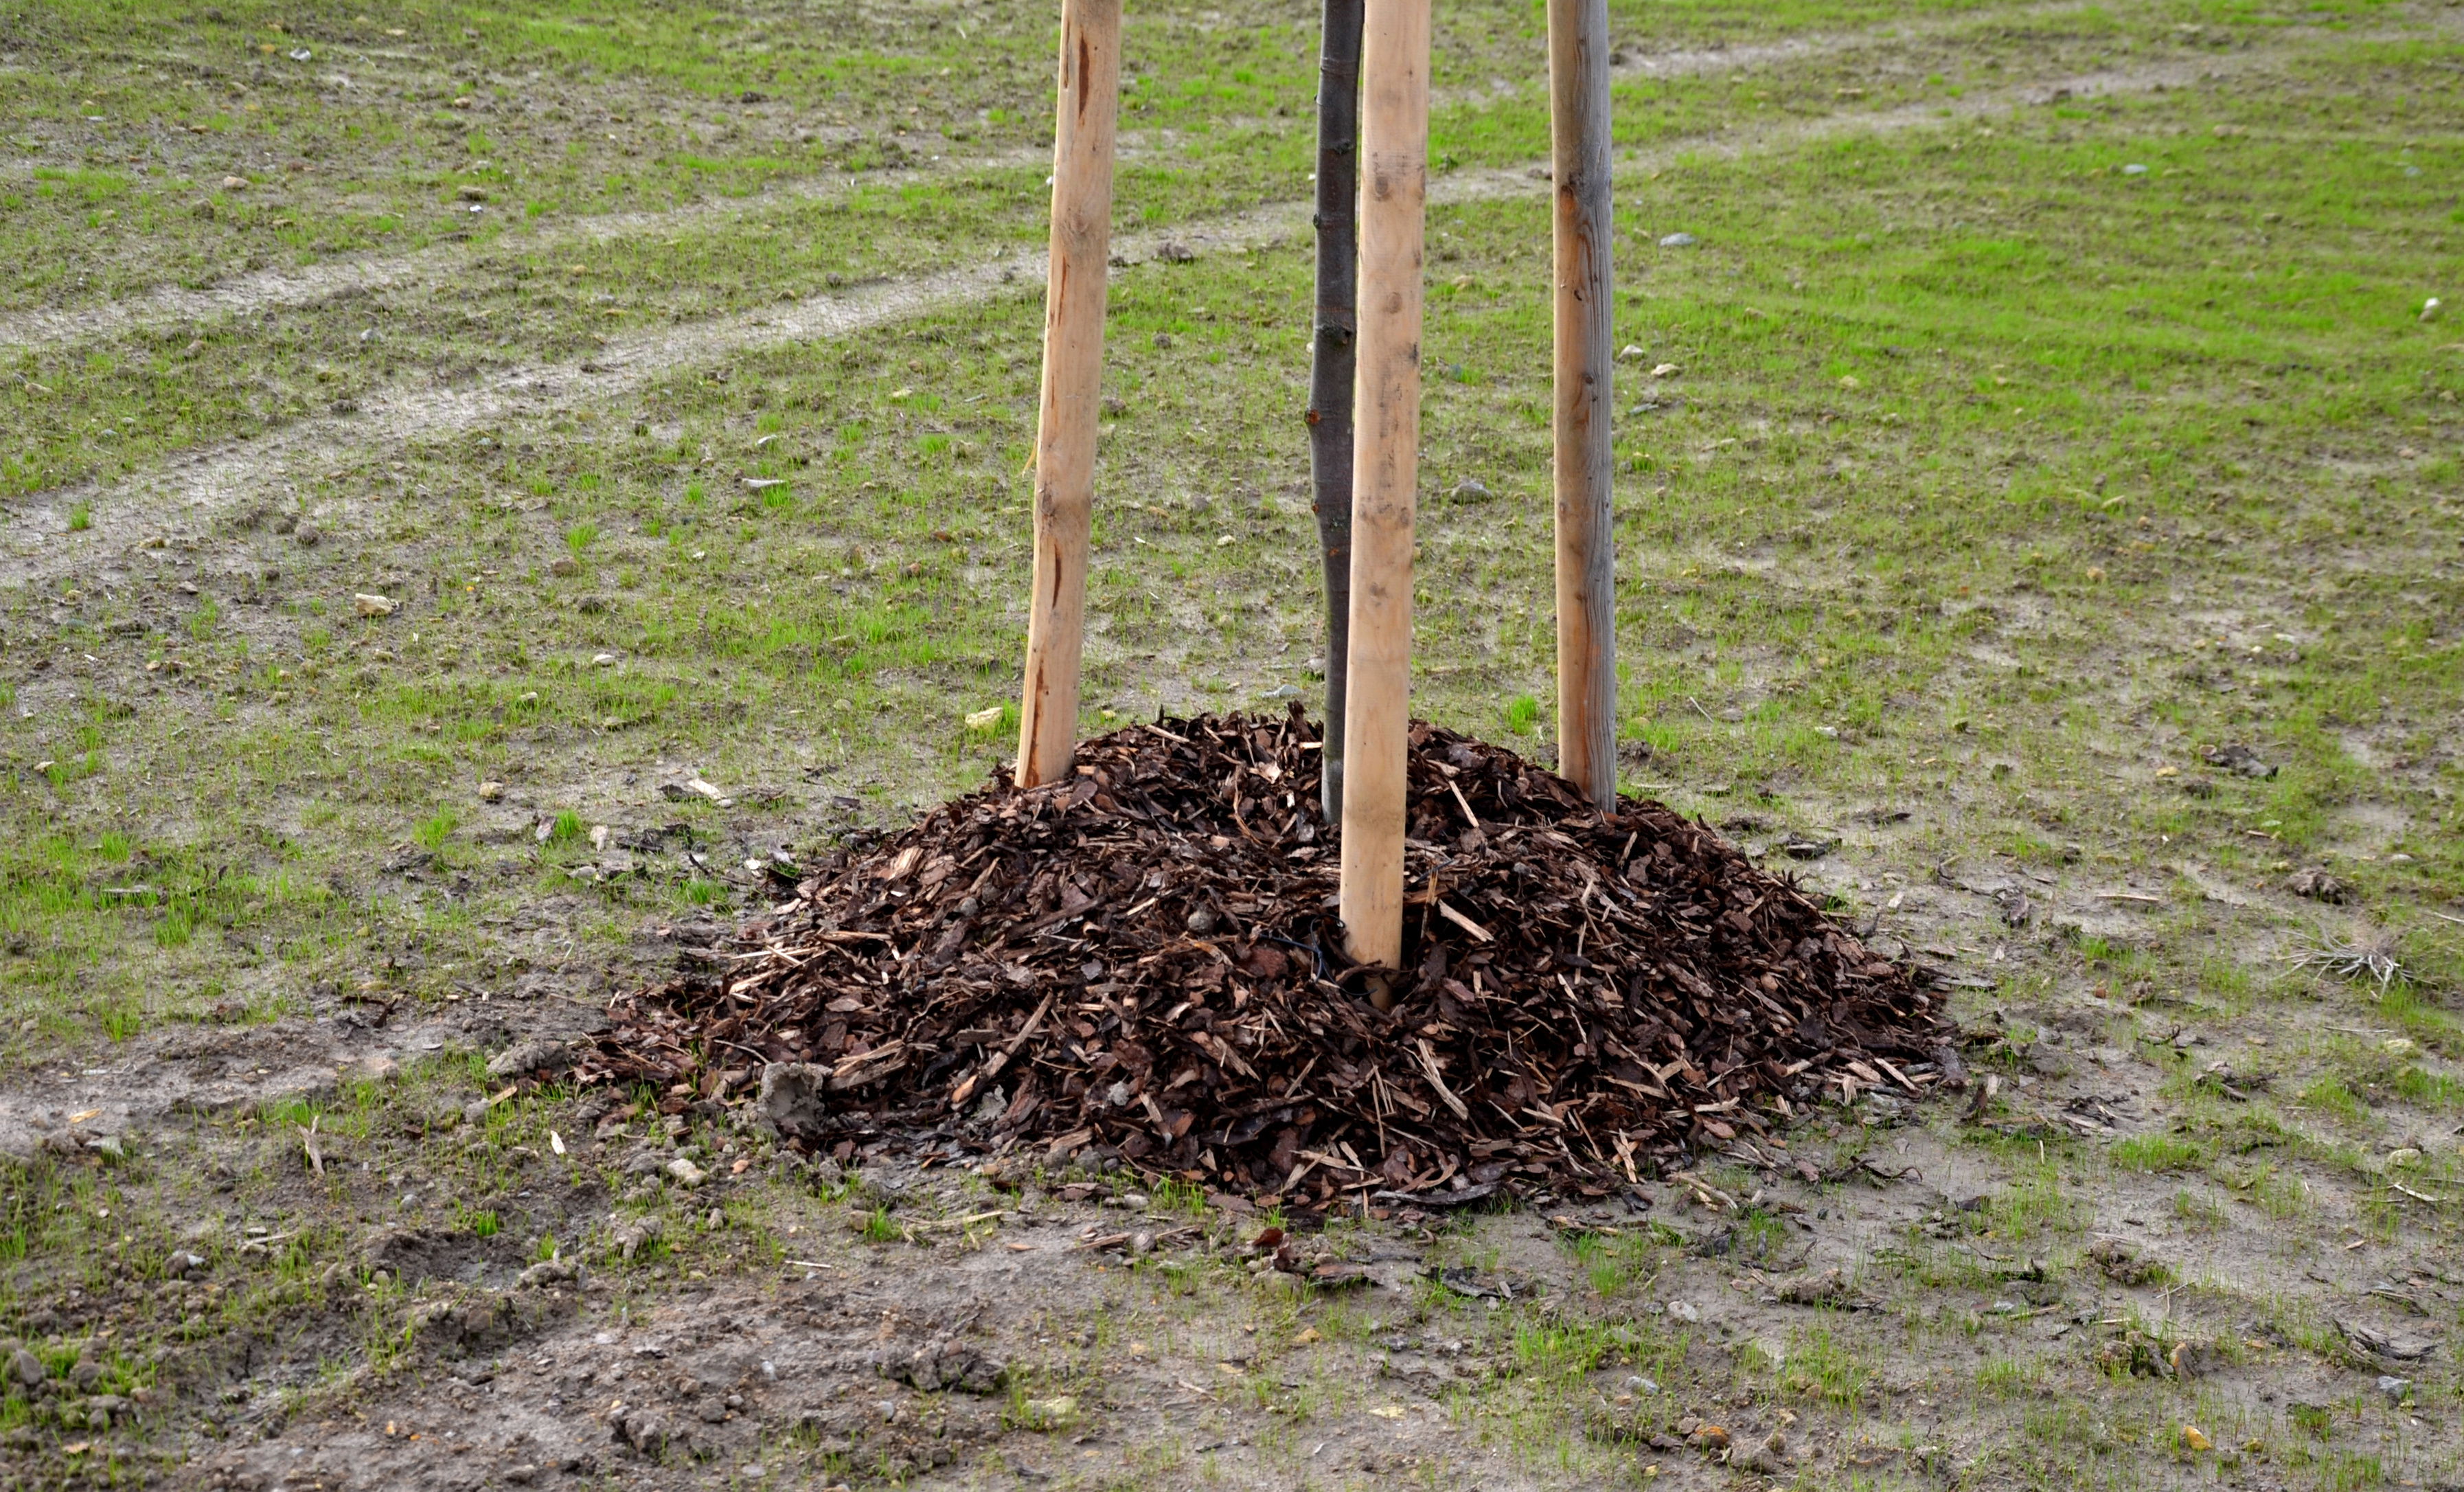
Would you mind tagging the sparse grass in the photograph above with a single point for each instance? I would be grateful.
(2039, 1203)
(2201, 1214)
(433, 831)
(2281, 1195)
(2330, 1096)
(2158, 1153)
(2011, 1377)
(1822, 1365)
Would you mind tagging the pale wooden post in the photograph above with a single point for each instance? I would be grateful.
(1578, 112)
(1386, 404)
(1073, 358)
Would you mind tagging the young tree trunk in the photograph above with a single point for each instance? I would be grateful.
(1395, 141)
(1073, 366)
(1579, 110)
(1331, 361)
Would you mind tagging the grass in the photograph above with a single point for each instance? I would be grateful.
(2157, 1153)
(1992, 485)
(1818, 1365)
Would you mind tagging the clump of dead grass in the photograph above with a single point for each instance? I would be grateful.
(2371, 955)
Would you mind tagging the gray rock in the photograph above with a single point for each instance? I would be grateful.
(630, 1238)
(1471, 489)
(26, 1368)
(1679, 241)
(792, 1104)
(2236, 757)
(478, 1322)
(2316, 883)
(1770, 1458)
(946, 1363)
(646, 1432)
(418, 1254)
(2397, 1389)
(545, 1273)
(536, 1055)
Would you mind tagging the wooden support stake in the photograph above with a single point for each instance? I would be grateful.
(1330, 363)
(1578, 108)
(1386, 404)
(1073, 359)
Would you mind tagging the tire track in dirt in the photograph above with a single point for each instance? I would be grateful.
(279, 289)
(202, 486)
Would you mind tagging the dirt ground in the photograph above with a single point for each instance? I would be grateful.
(2040, 534)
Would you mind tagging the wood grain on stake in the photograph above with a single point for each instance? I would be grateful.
(1073, 364)
(1578, 113)
(1386, 403)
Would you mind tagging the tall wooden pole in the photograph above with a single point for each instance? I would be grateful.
(1331, 359)
(1395, 143)
(1579, 110)
(1073, 358)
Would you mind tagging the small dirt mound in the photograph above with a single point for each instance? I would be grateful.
(1145, 962)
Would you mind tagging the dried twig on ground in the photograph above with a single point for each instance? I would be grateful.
(2373, 955)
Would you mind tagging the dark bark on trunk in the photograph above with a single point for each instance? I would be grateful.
(1333, 352)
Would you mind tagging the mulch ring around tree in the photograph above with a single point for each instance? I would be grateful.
(1144, 963)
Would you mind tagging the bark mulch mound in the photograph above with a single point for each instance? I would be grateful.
(1145, 963)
